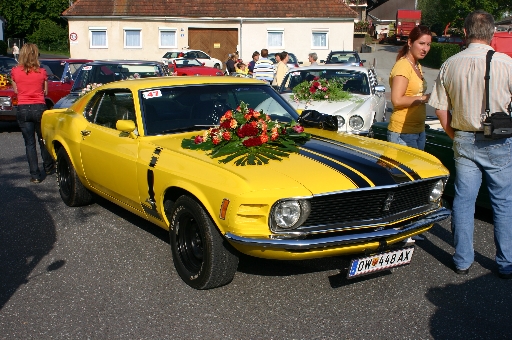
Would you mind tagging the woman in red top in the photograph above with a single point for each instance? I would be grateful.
(31, 84)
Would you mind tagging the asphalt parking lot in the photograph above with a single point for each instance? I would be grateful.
(99, 272)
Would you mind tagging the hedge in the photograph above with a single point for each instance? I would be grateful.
(439, 53)
(3, 47)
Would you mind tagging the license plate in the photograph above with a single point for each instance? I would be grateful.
(378, 262)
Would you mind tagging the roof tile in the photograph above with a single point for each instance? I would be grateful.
(212, 8)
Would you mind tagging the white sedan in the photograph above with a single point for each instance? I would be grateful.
(192, 54)
(366, 105)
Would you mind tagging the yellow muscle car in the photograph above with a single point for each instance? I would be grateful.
(329, 194)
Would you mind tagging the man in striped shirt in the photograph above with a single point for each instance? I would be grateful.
(264, 68)
(458, 97)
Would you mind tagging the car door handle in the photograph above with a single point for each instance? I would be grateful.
(85, 133)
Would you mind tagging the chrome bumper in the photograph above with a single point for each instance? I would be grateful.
(333, 241)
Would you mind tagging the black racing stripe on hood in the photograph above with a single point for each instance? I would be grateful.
(377, 171)
(404, 168)
(400, 168)
(354, 177)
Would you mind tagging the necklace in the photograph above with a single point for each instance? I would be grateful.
(415, 66)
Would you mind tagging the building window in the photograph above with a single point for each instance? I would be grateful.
(275, 38)
(98, 37)
(132, 38)
(168, 38)
(319, 40)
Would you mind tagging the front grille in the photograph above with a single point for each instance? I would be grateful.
(379, 205)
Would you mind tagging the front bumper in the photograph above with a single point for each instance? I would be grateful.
(333, 241)
(8, 113)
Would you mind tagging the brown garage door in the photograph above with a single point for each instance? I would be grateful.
(217, 42)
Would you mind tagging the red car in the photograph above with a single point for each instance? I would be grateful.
(192, 67)
(61, 75)
(60, 79)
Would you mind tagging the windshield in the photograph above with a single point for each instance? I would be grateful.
(6, 64)
(190, 108)
(354, 81)
(107, 73)
(343, 57)
(180, 63)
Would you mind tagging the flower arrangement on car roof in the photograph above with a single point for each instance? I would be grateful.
(249, 137)
(321, 89)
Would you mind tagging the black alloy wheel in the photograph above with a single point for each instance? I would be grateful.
(71, 189)
(201, 255)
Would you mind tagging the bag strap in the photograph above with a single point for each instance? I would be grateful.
(487, 77)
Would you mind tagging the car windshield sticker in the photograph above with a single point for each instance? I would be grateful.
(152, 94)
(294, 74)
(87, 68)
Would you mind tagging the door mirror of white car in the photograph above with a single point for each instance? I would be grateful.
(380, 88)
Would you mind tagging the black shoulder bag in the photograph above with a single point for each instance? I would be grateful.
(497, 125)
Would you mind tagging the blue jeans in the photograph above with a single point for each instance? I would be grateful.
(476, 155)
(29, 120)
(414, 140)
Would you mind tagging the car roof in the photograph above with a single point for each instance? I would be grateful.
(343, 52)
(68, 60)
(330, 67)
(126, 62)
(154, 82)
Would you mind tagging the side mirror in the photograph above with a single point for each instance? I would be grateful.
(363, 61)
(126, 126)
(322, 61)
(301, 62)
(380, 88)
(66, 80)
(203, 63)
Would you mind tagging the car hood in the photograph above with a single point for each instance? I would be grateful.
(329, 107)
(323, 165)
(66, 101)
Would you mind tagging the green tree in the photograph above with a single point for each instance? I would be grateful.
(50, 36)
(23, 16)
(438, 13)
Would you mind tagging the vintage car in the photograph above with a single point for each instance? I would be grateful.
(192, 67)
(440, 145)
(61, 75)
(105, 71)
(8, 99)
(356, 114)
(348, 58)
(192, 54)
(266, 188)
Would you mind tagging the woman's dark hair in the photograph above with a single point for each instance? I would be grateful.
(416, 33)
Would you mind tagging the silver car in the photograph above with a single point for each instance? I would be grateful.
(366, 105)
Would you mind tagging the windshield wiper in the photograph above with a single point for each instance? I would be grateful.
(188, 128)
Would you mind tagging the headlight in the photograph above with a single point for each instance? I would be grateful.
(5, 101)
(437, 191)
(290, 214)
(341, 122)
(356, 122)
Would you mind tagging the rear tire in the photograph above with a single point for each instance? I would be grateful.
(217, 66)
(201, 256)
(71, 189)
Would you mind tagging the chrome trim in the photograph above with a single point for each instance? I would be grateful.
(333, 241)
(381, 187)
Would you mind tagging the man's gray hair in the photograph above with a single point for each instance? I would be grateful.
(479, 25)
(313, 56)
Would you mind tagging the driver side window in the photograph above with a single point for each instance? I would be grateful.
(107, 107)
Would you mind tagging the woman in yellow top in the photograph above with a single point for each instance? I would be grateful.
(407, 122)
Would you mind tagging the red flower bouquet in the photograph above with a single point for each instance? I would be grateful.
(249, 137)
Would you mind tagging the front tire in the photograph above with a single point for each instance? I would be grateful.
(202, 257)
(71, 189)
